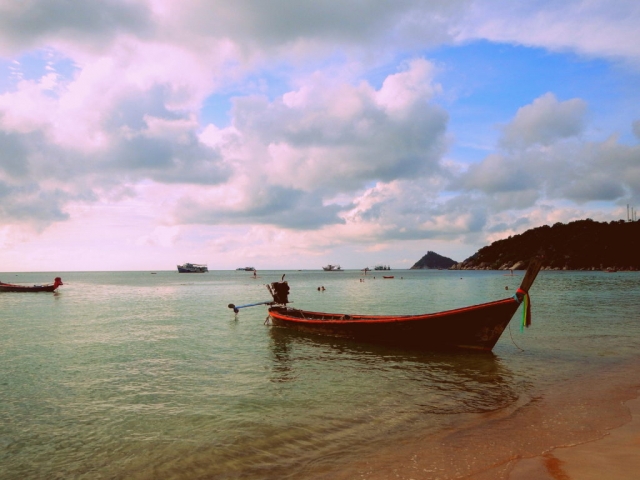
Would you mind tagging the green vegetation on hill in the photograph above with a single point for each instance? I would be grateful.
(433, 260)
(579, 245)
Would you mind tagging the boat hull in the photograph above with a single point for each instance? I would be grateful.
(192, 268)
(13, 288)
(8, 287)
(476, 327)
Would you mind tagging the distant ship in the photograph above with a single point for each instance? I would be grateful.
(332, 268)
(246, 269)
(192, 268)
(382, 267)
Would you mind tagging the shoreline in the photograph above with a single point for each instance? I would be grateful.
(569, 431)
(613, 456)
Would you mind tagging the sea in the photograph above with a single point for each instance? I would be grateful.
(150, 375)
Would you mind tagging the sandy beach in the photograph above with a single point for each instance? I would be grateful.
(616, 456)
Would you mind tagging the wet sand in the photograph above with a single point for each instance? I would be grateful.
(587, 427)
(616, 457)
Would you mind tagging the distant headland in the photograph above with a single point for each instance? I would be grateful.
(579, 245)
(433, 260)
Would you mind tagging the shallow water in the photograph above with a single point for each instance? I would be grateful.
(133, 375)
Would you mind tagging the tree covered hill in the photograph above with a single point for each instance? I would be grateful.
(579, 245)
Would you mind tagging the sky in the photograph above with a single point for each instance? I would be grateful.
(282, 134)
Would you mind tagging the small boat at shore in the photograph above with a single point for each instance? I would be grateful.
(192, 268)
(52, 287)
(476, 327)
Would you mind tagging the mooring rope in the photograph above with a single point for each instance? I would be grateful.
(514, 342)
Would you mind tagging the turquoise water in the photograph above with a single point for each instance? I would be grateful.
(140, 375)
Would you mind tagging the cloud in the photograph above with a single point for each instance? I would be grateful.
(12, 155)
(166, 152)
(137, 137)
(545, 121)
(401, 91)
(76, 139)
(498, 174)
(29, 203)
(546, 161)
(160, 236)
(31, 23)
(255, 29)
(271, 205)
(409, 210)
(339, 137)
(596, 28)
(594, 171)
(636, 128)
(307, 26)
(293, 155)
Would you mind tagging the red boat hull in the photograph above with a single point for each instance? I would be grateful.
(9, 287)
(476, 327)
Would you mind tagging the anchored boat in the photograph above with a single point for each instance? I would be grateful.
(52, 287)
(474, 327)
(332, 268)
(192, 268)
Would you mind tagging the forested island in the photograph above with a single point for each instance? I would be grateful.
(579, 245)
(433, 260)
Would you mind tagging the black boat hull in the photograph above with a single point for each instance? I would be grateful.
(477, 327)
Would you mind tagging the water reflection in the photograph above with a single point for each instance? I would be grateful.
(282, 352)
(431, 382)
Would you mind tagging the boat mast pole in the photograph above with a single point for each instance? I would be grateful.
(531, 274)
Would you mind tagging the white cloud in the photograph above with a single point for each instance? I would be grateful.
(401, 91)
(123, 117)
(597, 28)
(406, 209)
(293, 154)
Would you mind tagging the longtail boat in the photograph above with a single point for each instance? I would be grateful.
(475, 327)
(10, 287)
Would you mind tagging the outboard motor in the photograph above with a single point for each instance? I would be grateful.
(279, 291)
